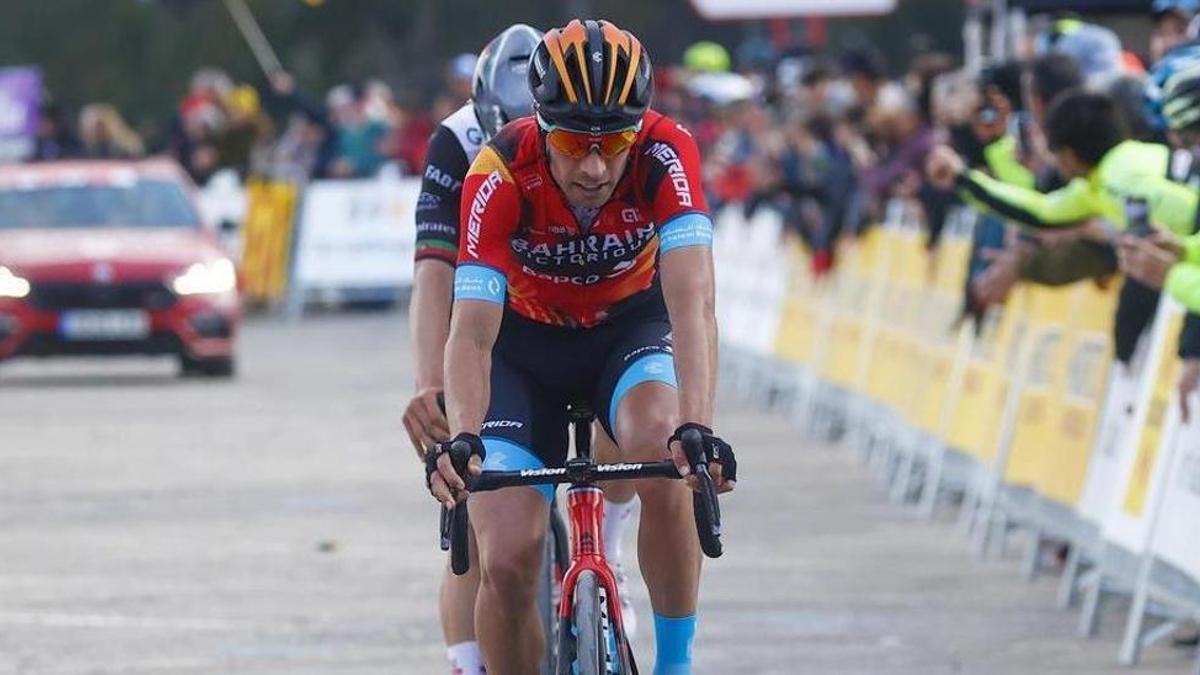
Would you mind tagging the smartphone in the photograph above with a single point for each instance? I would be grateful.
(1137, 217)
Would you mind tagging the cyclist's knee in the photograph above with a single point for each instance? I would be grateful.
(646, 418)
(648, 442)
(511, 572)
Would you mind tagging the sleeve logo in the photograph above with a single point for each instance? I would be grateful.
(478, 204)
(679, 179)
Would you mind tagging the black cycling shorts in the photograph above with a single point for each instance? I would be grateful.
(539, 369)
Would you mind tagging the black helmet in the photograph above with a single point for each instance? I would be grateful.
(500, 92)
(1181, 98)
(591, 76)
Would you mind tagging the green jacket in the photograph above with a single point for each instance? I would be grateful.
(1002, 161)
(1131, 169)
(1183, 281)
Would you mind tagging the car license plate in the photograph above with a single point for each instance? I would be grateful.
(104, 324)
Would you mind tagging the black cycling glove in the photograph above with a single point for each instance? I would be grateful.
(431, 458)
(716, 449)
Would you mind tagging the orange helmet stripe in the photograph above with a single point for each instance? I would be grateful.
(574, 34)
(554, 47)
(635, 57)
(583, 70)
(614, 38)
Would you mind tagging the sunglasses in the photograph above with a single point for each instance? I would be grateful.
(579, 144)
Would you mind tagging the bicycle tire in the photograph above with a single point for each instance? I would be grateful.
(547, 608)
(589, 649)
(562, 539)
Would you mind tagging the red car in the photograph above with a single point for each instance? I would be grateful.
(100, 257)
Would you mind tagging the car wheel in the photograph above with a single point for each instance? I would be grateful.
(221, 366)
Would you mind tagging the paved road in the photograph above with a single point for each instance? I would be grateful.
(276, 525)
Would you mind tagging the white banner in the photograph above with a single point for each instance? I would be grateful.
(768, 9)
(357, 234)
(1175, 540)
(1104, 463)
(1132, 499)
(751, 265)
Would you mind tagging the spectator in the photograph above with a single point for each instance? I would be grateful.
(308, 147)
(245, 131)
(411, 129)
(1171, 20)
(54, 138)
(460, 76)
(105, 135)
(361, 134)
(867, 75)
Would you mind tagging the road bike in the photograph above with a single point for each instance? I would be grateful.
(590, 638)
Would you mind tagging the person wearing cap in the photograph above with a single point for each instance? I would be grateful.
(1096, 48)
(707, 57)
(1172, 19)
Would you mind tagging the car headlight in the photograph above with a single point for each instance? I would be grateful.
(211, 278)
(11, 285)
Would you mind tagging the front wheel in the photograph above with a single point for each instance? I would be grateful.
(221, 366)
(583, 649)
(589, 644)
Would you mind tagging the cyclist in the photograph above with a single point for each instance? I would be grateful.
(584, 271)
(500, 94)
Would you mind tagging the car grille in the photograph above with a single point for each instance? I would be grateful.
(60, 296)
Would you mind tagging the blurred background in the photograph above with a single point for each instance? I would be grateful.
(231, 186)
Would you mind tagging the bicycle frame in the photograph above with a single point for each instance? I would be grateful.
(585, 508)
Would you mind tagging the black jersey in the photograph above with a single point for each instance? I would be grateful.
(452, 148)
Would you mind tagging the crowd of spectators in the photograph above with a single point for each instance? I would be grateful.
(274, 128)
(827, 138)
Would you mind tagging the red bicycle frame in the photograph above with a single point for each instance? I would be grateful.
(585, 509)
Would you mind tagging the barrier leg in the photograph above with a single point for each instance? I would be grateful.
(931, 487)
(1031, 564)
(1089, 614)
(984, 521)
(981, 532)
(1000, 536)
(902, 479)
(1070, 577)
(969, 511)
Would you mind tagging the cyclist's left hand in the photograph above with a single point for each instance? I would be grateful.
(425, 421)
(722, 465)
(442, 479)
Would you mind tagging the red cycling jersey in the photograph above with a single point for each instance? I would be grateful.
(521, 233)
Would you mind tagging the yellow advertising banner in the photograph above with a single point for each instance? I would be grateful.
(266, 254)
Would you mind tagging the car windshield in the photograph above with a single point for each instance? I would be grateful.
(144, 203)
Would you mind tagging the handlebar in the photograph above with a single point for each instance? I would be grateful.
(705, 507)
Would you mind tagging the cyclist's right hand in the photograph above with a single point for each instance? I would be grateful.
(425, 421)
(722, 464)
(443, 478)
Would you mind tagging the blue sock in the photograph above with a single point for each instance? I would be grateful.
(673, 638)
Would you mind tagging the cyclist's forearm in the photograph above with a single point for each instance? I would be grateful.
(688, 291)
(473, 331)
(696, 364)
(468, 375)
(429, 314)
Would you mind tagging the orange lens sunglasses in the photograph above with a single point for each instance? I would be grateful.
(579, 144)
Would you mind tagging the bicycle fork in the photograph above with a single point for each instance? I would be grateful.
(585, 510)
